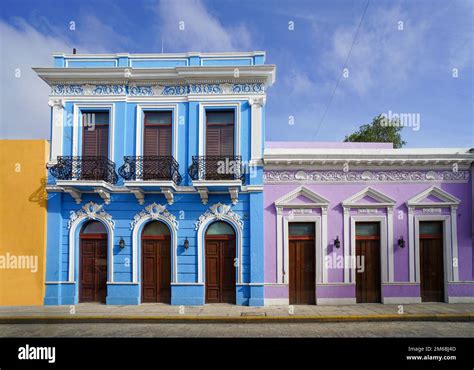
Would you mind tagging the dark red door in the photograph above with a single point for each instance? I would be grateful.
(93, 268)
(368, 281)
(220, 269)
(156, 269)
(219, 144)
(95, 145)
(431, 261)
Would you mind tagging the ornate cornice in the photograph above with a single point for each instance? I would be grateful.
(276, 176)
(155, 212)
(93, 211)
(134, 89)
(219, 211)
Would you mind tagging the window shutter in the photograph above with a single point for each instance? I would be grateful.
(150, 141)
(103, 140)
(95, 138)
(227, 140)
(157, 140)
(89, 146)
(164, 140)
(213, 134)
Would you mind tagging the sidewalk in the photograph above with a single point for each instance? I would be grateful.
(91, 312)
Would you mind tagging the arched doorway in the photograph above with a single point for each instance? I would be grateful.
(93, 262)
(156, 263)
(220, 263)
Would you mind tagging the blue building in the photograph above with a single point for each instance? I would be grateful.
(156, 178)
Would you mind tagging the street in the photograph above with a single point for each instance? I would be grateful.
(339, 329)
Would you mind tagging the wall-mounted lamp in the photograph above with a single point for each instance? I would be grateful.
(337, 243)
(186, 243)
(401, 242)
(122, 243)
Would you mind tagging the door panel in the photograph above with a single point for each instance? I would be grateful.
(220, 270)
(156, 270)
(93, 270)
(432, 268)
(368, 282)
(302, 276)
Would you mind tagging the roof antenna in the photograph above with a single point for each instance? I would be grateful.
(74, 50)
(162, 44)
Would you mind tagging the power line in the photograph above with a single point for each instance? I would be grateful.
(343, 67)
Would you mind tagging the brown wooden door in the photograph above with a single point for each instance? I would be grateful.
(368, 282)
(302, 271)
(220, 269)
(93, 269)
(156, 269)
(431, 262)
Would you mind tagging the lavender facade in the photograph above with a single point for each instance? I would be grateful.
(419, 201)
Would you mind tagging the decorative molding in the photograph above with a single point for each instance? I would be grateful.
(88, 89)
(93, 211)
(105, 195)
(380, 198)
(219, 211)
(139, 194)
(432, 210)
(133, 89)
(155, 211)
(74, 193)
(271, 176)
(316, 200)
(445, 199)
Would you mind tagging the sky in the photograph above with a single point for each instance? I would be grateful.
(339, 63)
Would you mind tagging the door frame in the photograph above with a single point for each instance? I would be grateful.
(101, 236)
(220, 238)
(447, 267)
(157, 238)
(382, 220)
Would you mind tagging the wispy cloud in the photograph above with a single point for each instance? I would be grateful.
(190, 26)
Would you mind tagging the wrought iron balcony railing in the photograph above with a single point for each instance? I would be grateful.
(213, 167)
(149, 168)
(98, 168)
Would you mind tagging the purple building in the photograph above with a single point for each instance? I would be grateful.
(363, 222)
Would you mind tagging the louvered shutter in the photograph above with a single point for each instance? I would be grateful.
(150, 141)
(213, 138)
(227, 140)
(164, 140)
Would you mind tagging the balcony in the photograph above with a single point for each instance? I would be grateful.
(150, 168)
(151, 174)
(75, 175)
(212, 168)
(90, 168)
(217, 173)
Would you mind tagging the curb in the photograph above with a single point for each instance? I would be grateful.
(236, 319)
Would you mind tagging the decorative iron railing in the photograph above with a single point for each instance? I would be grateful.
(149, 168)
(98, 168)
(213, 167)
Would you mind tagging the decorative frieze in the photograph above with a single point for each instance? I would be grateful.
(93, 211)
(432, 210)
(155, 212)
(275, 176)
(94, 90)
(219, 211)
(368, 210)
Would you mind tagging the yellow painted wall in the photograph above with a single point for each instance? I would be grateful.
(22, 219)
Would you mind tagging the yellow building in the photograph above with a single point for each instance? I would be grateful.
(23, 202)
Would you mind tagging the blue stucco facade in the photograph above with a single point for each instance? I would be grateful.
(126, 86)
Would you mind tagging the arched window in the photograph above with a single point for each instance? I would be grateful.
(93, 227)
(156, 228)
(220, 228)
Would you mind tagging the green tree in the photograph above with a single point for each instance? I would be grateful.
(381, 130)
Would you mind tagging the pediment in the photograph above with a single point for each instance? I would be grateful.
(369, 197)
(433, 196)
(302, 197)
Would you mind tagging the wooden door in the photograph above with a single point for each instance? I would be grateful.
(302, 272)
(368, 282)
(220, 269)
(95, 146)
(93, 269)
(219, 144)
(156, 269)
(431, 261)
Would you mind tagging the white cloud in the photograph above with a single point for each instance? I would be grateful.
(202, 30)
(383, 56)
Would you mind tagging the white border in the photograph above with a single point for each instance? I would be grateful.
(69, 59)
(202, 124)
(226, 58)
(140, 125)
(77, 122)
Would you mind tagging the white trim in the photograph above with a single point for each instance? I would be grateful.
(226, 58)
(228, 54)
(256, 106)
(319, 263)
(139, 124)
(73, 235)
(460, 299)
(201, 254)
(276, 302)
(57, 124)
(383, 244)
(77, 122)
(382, 199)
(202, 124)
(136, 238)
(317, 200)
(111, 59)
(401, 300)
(335, 301)
(445, 198)
(346, 243)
